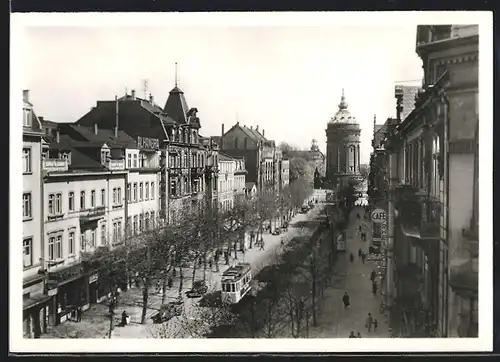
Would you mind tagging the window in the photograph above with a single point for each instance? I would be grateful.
(58, 247)
(135, 191)
(146, 221)
(119, 227)
(119, 195)
(140, 192)
(26, 160)
(55, 204)
(27, 252)
(52, 241)
(134, 226)
(115, 232)
(135, 161)
(26, 205)
(92, 198)
(115, 196)
(129, 192)
(83, 242)
(147, 190)
(141, 222)
(152, 190)
(129, 223)
(92, 238)
(129, 161)
(71, 201)
(27, 118)
(103, 234)
(153, 221)
(71, 243)
(55, 247)
(82, 200)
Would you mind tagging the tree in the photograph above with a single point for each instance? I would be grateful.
(300, 168)
(286, 147)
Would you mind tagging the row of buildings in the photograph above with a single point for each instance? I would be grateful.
(424, 173)
(117, 171)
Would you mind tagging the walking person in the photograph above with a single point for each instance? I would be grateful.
(373, 275)
(351, 258)
(345, 300)
(261, 245)
(360, 252)
(358, 335)
(363, 257)
(369, 322)
(375, 324)
(374, 288)
(351, 335)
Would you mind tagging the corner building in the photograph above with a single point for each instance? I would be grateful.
(342, 146)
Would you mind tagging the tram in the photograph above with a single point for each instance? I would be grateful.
(236, 283)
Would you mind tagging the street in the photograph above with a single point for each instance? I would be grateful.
(95, 323)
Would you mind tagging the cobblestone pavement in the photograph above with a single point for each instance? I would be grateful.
(95, 321)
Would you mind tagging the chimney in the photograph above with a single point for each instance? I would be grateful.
(257, 128)
(95, 128)
(251, 127)
(57, 136)
(151, 99)
(116, 116)
(26, 95)
(222, 138)
(262, 132)
(133, 94)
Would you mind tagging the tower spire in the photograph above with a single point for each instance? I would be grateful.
(176, 74)
(343, 103)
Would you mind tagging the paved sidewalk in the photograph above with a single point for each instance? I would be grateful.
(354, 278)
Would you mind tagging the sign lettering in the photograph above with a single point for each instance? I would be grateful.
(378, 216)
(148, 143)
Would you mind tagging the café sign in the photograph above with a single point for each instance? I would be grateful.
(378, 216)
(147, 143)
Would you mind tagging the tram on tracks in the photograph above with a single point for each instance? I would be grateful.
(236, 283)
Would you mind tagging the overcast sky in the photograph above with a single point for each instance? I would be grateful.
(287, 80)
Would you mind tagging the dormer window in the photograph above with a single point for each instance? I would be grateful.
(27, 118)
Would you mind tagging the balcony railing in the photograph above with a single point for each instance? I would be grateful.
(115, 165)
(92, 214)
(54, 164)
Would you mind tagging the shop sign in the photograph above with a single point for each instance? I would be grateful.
(93, 278)
(147, 143)
(378, 216)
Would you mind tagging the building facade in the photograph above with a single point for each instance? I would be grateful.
(342, 146)
(432, 158)
(35, 302)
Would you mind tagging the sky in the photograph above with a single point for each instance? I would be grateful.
(286, 80)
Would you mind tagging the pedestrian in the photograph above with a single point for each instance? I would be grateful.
(359, 335)
(363, 257)
(210, 263)
(351, 335)
(374, 288)
(351, 257)
(282, 242)
(261, 245)
(359, 228)
(78, 315)
(345, 300)
(369, 322)
(375, 324)
(373, 275)
(170, 283)
(125, 318)
(360, 252)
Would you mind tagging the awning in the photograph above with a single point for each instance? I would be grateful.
(35, 301)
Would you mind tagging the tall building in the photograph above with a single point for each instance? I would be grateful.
(432, 163)
(262, 158)
(342, 146)
(34, 301)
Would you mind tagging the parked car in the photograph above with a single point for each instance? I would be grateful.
(168, 311)
(198, 290)
(304, 209)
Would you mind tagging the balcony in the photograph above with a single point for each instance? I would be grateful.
(54, 164)
(115, 165)
(92, 214)
(197, 171)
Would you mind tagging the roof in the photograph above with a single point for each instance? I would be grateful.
(409, 94)
(176, 106)
(151, 107)
(81, 160)
(343, 115)
(103, 136)
(36, 125)
(224, 157)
